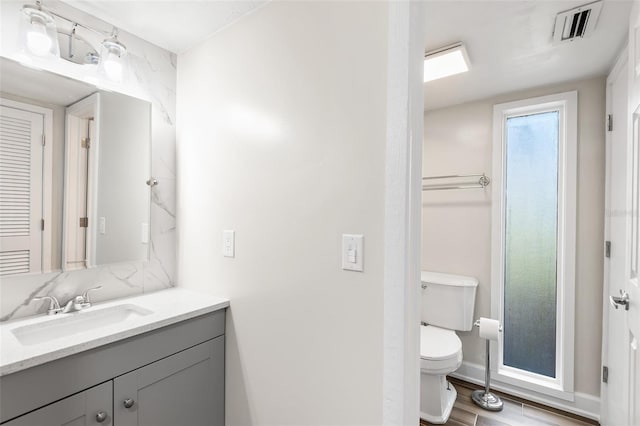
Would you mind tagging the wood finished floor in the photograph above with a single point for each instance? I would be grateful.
(516, 412)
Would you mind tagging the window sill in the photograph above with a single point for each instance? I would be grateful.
(524, 382)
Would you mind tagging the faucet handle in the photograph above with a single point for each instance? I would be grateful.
(54, 305)
(85, 295)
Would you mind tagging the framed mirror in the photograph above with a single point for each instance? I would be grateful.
(74, 166)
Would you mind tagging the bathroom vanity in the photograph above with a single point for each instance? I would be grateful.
(156, 359)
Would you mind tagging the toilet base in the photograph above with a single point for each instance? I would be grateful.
(437, 396)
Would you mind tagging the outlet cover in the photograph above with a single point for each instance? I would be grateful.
(228, 243)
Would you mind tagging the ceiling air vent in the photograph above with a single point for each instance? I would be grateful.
(576, 23)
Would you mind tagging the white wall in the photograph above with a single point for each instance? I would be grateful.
(456, 234)
(281, 137)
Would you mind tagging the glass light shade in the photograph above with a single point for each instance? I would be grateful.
(38, 33)
(113, 60)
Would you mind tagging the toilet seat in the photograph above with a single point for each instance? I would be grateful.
(440, 350)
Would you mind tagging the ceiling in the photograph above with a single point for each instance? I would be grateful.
(49, 88)
(509, 46)
(175, 25)
(508, 41)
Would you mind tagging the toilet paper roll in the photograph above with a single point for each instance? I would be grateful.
(489, 328)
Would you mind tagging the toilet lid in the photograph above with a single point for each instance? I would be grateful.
(438, 343)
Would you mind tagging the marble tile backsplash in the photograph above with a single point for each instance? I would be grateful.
(153, 77)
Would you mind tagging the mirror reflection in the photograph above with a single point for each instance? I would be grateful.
(74, 162)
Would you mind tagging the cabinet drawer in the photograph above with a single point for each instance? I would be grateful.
(89, 408)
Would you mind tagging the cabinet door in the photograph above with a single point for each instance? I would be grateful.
(185, 389)
(91, 407)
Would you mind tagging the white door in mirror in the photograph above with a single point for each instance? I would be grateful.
(352, 252)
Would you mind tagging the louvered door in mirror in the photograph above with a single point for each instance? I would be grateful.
(21, 153)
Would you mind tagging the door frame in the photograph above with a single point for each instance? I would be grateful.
(403, 208)
(84, 109)
(619, 66)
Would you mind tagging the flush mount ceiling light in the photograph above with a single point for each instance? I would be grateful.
(446, 61)
(39, 37)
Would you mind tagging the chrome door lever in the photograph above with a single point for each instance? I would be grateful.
(623, 300)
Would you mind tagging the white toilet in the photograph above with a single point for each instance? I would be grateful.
(447, 305)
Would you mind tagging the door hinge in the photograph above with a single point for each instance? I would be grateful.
(42, 224)
(44, 139)
(85, 143)
(610, 122)
(605, 374)
(607, 249)
(84, 222)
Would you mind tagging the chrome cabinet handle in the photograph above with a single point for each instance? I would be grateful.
(128, 402)
(623, 300)
(101, 416)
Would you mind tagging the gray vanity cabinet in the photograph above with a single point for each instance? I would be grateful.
(184, 389)
(87, 408)
(171, 376)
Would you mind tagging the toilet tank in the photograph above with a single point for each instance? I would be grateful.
(448, 300)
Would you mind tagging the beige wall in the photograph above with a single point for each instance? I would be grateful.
(281, 137)
(457, 224)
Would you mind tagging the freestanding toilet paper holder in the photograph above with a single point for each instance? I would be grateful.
(484, 398)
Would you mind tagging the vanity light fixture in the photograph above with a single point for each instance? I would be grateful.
(39, 35)
(113, 55)
(40, 38)
(446, 61)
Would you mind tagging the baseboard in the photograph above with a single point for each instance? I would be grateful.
(585, 405)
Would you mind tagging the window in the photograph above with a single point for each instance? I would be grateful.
(533, 242)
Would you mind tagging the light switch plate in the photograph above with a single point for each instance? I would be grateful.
(228, 243)
(353, 252)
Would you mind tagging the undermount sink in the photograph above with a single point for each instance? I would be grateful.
(64, 325)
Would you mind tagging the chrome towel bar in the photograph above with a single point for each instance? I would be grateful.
(482, 182)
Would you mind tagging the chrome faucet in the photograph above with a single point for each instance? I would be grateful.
(54, 305)
(77, 303)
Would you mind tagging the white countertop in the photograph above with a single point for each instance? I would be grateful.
(167, 307)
